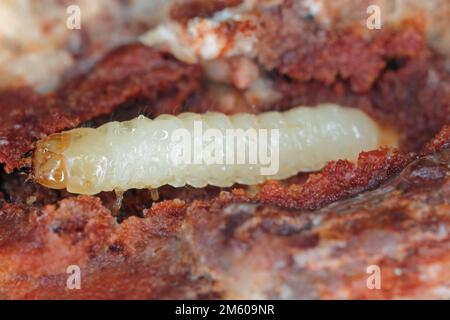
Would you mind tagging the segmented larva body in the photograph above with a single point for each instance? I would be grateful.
(140, 153)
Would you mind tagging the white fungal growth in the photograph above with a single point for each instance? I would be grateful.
(145, 153)
(207, 38)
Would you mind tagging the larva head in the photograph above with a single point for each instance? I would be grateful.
(48, 161)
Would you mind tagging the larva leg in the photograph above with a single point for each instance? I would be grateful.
(139, 153)
(154, 194)
(118, 202)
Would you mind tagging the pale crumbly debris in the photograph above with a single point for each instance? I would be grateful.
(207, 38)
(37, 47)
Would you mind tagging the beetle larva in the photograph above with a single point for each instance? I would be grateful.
(140, 153)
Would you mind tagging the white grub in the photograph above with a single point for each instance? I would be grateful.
(139, 153)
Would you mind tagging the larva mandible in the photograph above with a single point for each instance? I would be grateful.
(137, 153)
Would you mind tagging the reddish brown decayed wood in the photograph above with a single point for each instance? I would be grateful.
(187, 9)
(338, 180)
(302, 50)
(261, 251)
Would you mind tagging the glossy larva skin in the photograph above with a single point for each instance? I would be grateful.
(137, 153)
